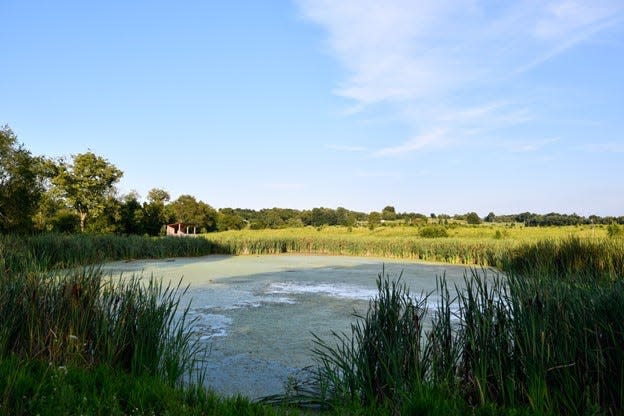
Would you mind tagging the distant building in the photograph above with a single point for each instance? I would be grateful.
(181, 229)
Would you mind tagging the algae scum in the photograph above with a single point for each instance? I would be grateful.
(258, 313)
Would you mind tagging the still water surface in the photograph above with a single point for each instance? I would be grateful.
(257, 313)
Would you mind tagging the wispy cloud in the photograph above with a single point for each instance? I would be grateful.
(450, 64)
(415, 144)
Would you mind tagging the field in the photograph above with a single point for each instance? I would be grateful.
(548, 340)
(485, 244)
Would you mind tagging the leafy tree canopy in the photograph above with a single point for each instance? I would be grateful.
(20, 184)
(388, 213)
(156, 195)
(473, 218)
(187, 209)
(86, 183)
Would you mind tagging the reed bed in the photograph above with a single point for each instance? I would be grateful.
(78, 318)
(446, 250)
(545, 338)
(543, 343)
(54, 251)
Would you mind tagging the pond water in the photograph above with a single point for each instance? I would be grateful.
(258, 313)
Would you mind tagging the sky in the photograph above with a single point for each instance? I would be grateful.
(430, 106)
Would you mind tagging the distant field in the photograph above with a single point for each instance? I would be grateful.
(485, 244)
(511, 231)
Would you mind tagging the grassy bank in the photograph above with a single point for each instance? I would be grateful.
(32, 387)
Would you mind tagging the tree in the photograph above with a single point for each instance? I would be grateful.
(20, 184)
(131, 214)
(155, 214)
(187, 209)
(388, 213)
(473, 218)
(374, 220)
(159, 196)
(345, 217)
(53, 215)
(323, 216)
(227, 219)
(86, 184)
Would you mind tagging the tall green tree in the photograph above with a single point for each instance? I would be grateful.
(187, 209)
(20, 184)
(388, 213)
(158, 196)
(227, 219)
(374, 220)
(155, 213)
(86, 184)
(473, 218)
(131, 214)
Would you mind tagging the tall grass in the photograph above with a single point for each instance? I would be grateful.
(546, 338)
(476, 245)
(359, 367)
(548, 343)
(36, 388)
(80, 318)
(74, 341)
(53, 251)
(571, 258)
(447, 250)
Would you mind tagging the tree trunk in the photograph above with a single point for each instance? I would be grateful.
(82, 215)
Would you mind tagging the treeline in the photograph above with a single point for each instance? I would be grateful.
(552, 219)
(79, 194)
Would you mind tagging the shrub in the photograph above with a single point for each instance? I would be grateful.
(432, 231)
(614, 230)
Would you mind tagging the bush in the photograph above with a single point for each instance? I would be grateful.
(432, 231)
(473, 218)
(614, 230)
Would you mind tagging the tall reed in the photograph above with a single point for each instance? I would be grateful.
(80, 318)
(383, 357)
(547, 344)
(50, 251)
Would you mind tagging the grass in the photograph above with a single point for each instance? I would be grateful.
(545, 339)
(34, 387)
(57, 251)
(544, 343)
(485, 245)
(77, 318)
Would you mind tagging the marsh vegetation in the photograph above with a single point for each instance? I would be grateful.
(546, 339)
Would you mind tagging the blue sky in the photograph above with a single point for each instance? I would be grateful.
(429, 106)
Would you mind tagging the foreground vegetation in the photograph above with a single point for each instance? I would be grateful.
(543, 340)
(547, 340)
(74, 342)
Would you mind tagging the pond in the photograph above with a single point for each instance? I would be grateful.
(258, 313)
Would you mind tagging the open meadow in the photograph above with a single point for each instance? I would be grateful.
(455, 243)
